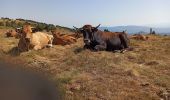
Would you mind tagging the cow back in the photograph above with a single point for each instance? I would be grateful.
(40, 38)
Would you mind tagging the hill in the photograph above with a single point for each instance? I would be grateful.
(137, 29)
(16, 23)
(141, 74)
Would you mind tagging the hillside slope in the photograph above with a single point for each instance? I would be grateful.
(16, 23)
(141, 74)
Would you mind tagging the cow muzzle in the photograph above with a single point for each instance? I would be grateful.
(87, 41)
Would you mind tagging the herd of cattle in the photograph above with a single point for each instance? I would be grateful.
(94, 39)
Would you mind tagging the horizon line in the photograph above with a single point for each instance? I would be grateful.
(125, 25)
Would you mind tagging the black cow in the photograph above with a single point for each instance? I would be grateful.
(98, 40)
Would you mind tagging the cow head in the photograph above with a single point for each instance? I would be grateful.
(18, 30)
(88, 33)
(55, 33)
(27, 32)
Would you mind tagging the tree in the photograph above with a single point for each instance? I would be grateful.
(106, 30)
(50, 27)
(153, 32)
(1, 23)
(19, 24)
(41, 26)
(8, 24)
(13, 24)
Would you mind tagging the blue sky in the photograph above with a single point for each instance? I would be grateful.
(80, 12)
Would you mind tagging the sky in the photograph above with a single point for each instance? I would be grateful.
(79, 12)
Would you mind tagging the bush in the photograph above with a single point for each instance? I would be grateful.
(1, 23)
(106, 30)
(41, 27)
(50, 27)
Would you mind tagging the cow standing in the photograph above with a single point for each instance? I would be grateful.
(98, 40)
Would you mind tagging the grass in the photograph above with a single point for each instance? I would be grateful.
(135, 75)
(4, 27)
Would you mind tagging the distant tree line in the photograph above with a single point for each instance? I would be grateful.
(106, 30)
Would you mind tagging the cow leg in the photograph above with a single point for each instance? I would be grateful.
(49, 46)
(50, 42)
(88, 47)
(123, 50)
(37, 47)
(100, 47)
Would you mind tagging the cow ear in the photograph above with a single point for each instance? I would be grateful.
(94, 29)
(81, 30)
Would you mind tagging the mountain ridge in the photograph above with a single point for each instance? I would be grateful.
(137, 29)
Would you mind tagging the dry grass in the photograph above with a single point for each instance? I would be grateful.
(135, 75)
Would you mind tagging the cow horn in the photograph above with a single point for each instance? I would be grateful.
(124, 31)
(76, 28)
(98, 26)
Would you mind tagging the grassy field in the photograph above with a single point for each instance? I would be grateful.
(141, 74)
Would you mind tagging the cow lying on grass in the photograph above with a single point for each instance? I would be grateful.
(63, 39)
(139, 37)
(11, 33)
(34, 41)
(98, 40)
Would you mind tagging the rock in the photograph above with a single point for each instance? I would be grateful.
(164, 94)
(69, 92)
(152, 63)
(132, 72)
(74, 87)
(144, 84)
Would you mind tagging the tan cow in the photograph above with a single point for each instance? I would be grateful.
(34, 41)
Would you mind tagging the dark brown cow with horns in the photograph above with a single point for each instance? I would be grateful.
(98, 40)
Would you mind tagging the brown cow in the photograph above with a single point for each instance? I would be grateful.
(63, 39)
(34, 41)
(11, 33)
(75, 35)
(98, 40)
(78, 33)
(139, 37)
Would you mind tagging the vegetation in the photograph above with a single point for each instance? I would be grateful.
(15, 23)
(106, 30)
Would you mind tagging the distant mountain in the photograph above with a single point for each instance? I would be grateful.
(137, 29)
